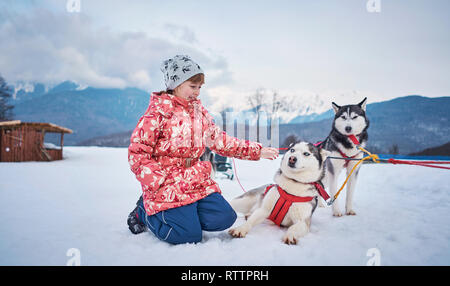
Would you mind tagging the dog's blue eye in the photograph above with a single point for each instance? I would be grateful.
(343, 117)
(292, 150)
(306, 154)
(354, 117)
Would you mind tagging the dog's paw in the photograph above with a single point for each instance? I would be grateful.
(289, 239)
(351, 212)
(337, 214)
(238, 232)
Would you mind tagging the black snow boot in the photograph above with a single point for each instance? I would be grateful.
(134, 224)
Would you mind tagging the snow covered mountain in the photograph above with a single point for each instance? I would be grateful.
(106, 117)
(397, 122)
(88, 111)
(413, 123)
(93, 112)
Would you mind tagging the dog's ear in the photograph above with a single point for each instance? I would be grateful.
(335, 107)
(324, 153)
(362, 104)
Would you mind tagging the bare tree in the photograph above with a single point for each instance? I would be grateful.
(270, 103)
(277, 104)
(256, 101)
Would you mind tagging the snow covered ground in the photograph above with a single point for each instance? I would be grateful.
(47, 208)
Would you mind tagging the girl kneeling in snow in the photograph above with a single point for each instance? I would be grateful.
(179, 198)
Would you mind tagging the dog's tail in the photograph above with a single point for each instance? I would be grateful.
(248, 202)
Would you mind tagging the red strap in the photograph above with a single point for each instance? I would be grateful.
(321, 191)
(293, 198)
(417, 163)
(279, 211)
(354, 139)
(346, 157)
(342, 154)
(267, 189)
(283, 204)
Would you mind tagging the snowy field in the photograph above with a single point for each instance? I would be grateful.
(83, 201)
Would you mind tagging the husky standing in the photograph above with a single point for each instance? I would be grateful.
(292, 201)
(348, 120)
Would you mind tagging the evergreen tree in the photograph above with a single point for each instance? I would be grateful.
(5, 94)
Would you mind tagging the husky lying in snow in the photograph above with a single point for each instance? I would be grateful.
(293, 200)
(348, 120)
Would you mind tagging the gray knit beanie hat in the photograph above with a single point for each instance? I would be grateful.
(179, 69)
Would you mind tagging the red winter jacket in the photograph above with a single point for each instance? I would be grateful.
(165, 148)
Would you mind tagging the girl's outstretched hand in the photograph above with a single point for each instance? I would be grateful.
(269, 153)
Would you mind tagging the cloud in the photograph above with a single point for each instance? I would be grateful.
(181, 32)
(43, 46)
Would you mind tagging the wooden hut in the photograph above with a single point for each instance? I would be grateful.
(24, 141)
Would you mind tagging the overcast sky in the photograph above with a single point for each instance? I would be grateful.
(333, 49)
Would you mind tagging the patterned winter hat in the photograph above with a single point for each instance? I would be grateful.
(179, 69)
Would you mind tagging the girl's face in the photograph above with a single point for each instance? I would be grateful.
(188, 90)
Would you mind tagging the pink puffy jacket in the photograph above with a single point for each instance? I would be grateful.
(165, 148)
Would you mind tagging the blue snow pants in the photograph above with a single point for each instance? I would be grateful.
(185, 224)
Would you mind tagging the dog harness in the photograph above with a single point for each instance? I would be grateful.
(354, 140)
(347, 157)
(285, 201)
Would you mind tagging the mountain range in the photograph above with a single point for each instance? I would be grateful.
(106, 117)
(412, 123)
(89, 112)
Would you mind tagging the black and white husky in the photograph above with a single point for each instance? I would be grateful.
(348, 120)
(292, 201)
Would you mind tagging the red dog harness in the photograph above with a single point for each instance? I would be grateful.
(354, 140)
(346, 157)
(285, 201)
